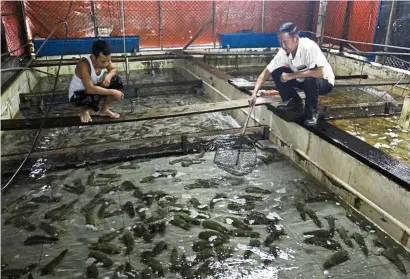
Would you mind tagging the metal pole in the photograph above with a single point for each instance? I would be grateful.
(311, 12)
(22, 19)
(123, 25)
(390, 24)
(392, 15)
(263, 16)
(321, 21)
(94, 18)
(200, 31)
(325, 2)
(404, 121)
(160, 25)
(4, 48)
(10, 14)
(378, 53)
(127, 70)
(346, 20)
(359, 42)
(214, 22)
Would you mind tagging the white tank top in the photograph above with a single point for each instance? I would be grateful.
(77, 84)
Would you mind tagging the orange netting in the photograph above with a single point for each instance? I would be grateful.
(10, 19)
(361, 25)
(179, 21)
(174, 23)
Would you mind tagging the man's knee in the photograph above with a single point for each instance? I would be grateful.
(321, 86)
(311, 83)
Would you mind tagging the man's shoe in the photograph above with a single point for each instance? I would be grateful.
(292, 106)
(311, 120)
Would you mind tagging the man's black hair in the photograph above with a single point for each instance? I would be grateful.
(101, 47)
(289, 27)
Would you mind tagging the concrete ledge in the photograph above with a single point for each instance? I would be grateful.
(10, 100)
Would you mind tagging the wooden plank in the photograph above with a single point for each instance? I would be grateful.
(244, 84)
(127, 150)
(158, 113)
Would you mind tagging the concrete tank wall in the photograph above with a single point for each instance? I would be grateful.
(325, 162)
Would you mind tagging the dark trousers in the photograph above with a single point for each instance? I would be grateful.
(82, 99)
(313, 87)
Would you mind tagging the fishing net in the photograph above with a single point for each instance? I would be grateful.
(236, 154)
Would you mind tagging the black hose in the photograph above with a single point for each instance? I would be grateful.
(52, 97)
(10, 52)
(25, 69)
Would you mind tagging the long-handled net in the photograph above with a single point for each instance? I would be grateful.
(236, 154)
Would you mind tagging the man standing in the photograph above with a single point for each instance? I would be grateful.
(89, 84)
(299, 63)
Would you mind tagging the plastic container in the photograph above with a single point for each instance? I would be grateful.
(246, 39)
(77, 46)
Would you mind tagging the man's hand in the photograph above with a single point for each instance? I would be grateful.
(116, 94)
(105, 82)
(285, 77)
(252, 101)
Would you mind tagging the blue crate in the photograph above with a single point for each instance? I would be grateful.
(247, 40)
(75, 46)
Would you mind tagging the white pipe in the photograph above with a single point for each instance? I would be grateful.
(123, 25)
(321, 21)
(358, 42)
(123, 36)
(390, 24)
(127, 66)
(356, 193)
(263, 15)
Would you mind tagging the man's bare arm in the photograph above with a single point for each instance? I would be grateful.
(260, 81)
(83, 72)
(112, 70)
(313, 73)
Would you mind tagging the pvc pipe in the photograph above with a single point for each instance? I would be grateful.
(375, 52)
(263, 16)
(357, 42)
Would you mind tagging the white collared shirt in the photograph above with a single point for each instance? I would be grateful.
(308, 56)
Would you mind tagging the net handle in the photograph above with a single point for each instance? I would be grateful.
(247, 120)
